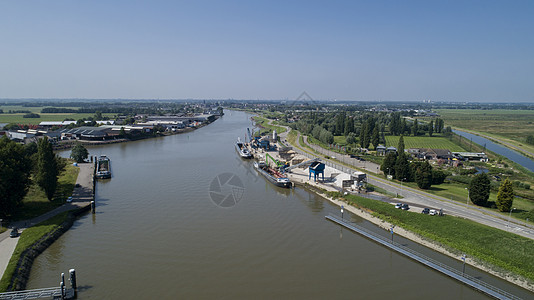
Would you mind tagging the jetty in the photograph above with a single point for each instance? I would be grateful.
(461, 276)
(60, 292)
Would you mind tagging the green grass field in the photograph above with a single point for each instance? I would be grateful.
(424, 142)
(17, 118)
(265, 123)
(499, 248)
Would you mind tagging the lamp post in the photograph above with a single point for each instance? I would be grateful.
(510, 216)
(341, 212)
(463, 258)
(467, 201)
(401, 185)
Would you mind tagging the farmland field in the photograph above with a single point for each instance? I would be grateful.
(511, 126)
(424, 142)
(18, 117)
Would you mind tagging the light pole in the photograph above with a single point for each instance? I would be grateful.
(467, 201)
(401, 185)
(463, 258)
(341, 212)
(510, 216)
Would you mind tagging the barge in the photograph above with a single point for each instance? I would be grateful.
(103, 168)
(272, 175)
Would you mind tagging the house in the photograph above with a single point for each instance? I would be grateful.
(391, 149)
(471, 156)
(430, 154)
(381, 150)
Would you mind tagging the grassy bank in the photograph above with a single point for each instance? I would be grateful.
(36, 203)
(263, 122)
(505, 250)
(27, 239)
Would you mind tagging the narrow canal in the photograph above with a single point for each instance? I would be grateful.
(158, 234)
(499, 149)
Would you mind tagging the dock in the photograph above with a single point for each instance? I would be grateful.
(60, 292)
(466, 279)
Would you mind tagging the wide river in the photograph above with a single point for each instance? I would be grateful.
(159, 234)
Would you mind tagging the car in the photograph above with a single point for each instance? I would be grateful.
(69, 199)
(433, 212)
(14, 233)
(398, 205)
(78, 185)
(426, 211)
(405, 206)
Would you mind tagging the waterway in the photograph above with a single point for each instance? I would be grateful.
(158, 234)
(499, 149)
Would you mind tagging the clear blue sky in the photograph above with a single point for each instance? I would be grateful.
(350, 50)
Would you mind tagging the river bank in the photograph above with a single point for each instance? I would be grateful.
(301, 179)
(63, 145)
(453, 253)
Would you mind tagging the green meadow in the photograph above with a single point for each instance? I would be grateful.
(435, 142)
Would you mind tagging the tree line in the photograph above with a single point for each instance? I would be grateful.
(20, 166)
(366, 128)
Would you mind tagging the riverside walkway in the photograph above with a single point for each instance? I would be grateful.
(451, 272)
(82, 196)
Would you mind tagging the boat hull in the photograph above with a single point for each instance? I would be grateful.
(242, 151)
(280, 182)
(103, 168)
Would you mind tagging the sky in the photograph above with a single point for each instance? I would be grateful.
(480, 51)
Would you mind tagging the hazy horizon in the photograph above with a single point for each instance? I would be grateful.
(451, 51)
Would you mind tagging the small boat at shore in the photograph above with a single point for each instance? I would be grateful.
(272, 175)
(103, 168)
(242, 149)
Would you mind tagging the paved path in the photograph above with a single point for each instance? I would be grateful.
(420, 198)
(82, 196)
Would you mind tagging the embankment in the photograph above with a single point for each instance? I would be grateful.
(23, 267)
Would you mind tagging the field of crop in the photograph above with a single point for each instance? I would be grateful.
(424, 142)
(509, 125)
(18, 117)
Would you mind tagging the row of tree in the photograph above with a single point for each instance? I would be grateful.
(480, 189)
(19, 164)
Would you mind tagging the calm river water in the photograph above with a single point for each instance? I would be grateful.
(157, 234)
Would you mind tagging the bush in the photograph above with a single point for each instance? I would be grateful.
(31, 115)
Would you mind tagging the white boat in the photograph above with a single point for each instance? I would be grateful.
(242, 149)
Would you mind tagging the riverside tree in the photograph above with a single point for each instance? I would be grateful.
(79, 153)
(479, 189)
(388, 165)
(505, 196)
(15, 168)
(47, 168)
(402, 168)
(423, 175)
(400, 145)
